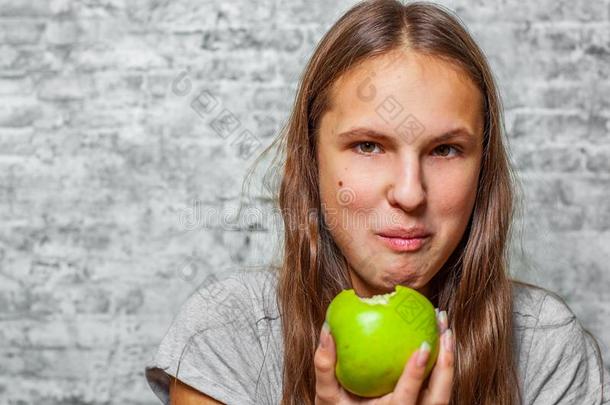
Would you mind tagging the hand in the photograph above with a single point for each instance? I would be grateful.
(408, 390)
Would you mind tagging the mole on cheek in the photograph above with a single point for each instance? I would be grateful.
(340, 183)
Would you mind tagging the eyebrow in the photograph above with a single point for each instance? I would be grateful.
(460, 132)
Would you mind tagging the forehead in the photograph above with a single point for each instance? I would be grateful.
(437, 93)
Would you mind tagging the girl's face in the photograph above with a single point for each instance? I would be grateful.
(404, 177)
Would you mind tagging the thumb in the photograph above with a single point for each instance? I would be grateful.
(328, 390)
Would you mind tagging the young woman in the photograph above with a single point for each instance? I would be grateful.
(394, 172)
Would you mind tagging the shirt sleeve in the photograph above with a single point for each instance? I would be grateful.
(212, 345)
(564, 363)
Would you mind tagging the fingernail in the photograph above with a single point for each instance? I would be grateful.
(324, 335)
(423, 353)
(436, 312)
(448, 336)
(442, 317)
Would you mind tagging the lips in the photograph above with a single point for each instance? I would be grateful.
(403, 245)
(417, 232)
(404, 239)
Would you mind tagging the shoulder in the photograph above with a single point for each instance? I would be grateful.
(221, 335)
(534, 306)
(240, 305)
(260, 284)
(252, 289)
(559, 360)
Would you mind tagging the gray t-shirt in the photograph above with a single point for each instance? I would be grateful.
(226, 342)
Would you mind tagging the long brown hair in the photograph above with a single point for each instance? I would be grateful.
(473, 286)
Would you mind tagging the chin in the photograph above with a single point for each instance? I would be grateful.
(410, 280)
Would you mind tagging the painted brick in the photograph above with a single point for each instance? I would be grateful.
(119, 187)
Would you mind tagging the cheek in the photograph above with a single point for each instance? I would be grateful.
(342, 187)
(347, 202)
(454, 195)
(355, 193)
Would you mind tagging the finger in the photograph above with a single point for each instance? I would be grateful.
(410, 382)
(441, 379)
(443, 323)
(328, 390)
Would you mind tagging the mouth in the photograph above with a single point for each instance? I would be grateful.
(400, 244)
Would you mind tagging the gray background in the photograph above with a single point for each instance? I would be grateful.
(118, 190)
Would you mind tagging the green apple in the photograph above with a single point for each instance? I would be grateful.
(375, 337)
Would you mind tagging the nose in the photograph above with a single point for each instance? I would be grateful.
(408, 189)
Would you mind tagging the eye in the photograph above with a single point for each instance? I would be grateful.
(367, 144)
(458, 151)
